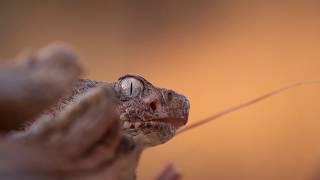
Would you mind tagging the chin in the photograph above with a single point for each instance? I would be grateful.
(150, 133)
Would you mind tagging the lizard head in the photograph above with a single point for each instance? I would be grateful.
(149, 113)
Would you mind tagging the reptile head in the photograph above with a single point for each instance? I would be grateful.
(150, 113)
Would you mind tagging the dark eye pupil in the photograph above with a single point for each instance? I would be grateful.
(130, 89)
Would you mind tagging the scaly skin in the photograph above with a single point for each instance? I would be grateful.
(151, 115)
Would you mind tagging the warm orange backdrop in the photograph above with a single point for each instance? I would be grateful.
(218, 53)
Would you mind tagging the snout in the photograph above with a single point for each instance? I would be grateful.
(186, 108)
(178, 107)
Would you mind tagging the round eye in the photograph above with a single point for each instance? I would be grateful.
(131, 87)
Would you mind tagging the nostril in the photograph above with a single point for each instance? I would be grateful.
(169, 95)
(153, 106)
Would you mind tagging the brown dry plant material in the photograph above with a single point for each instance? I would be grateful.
(30, 86)
(82, 142)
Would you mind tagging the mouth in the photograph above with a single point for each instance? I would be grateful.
(153, 131)
(174, 122)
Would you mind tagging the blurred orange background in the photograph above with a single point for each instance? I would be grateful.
(218, 53)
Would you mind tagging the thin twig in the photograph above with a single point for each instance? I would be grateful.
(245, 104)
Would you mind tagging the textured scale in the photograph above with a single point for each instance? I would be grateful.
(147, 113)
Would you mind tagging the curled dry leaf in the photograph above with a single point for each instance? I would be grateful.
(30, 86)
(169, 173)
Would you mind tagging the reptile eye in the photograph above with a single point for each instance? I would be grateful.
(130, 87)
